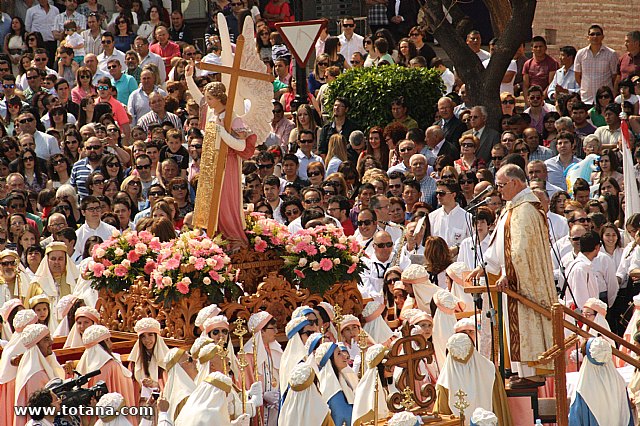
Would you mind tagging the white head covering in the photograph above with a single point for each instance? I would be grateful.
(160, 349)
(33, 361)
(601, 311)
(94, 357)
(458, 272)
(21, 286)
(115, 401)
(5, 311)
(43, 298)
(466, 369)
(62, 308)
(601, 386)
(404, 418)
(255, 324)
(302, 311)
(303, 397)
(206, 313)
(74, 339)
(423, 289)
(375, 325)
(207, 402)
(294, 351)
(222, 321)
(364, 402)
(45, 279)
(15, 346)
(179, 384)
(444, 322)
(332, 317)
(330, 384)
(482, 417)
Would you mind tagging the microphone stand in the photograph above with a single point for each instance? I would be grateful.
(477, 298)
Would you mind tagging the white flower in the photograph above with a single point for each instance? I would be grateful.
(322, 249)
(355, 259)
(166, 281)
(302, 262)
(192, 259)
(115, 233)
(161, 269)
(336, 261)
(100, 253)
(119, 252)
(107, 273)
(186, 280)
(315, 266)
(126, 263)
(206, 280)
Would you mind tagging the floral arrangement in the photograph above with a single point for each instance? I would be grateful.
(193, 261)
(320, 257)
(265, 234)
(119, 261)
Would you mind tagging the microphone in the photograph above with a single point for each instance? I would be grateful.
(475, 199)
(475, 206)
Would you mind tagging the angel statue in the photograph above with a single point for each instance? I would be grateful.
(228, 141)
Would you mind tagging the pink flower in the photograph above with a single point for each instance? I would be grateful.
(183, 287)
(199, 264)
(299, 273)
(149, 267)
(173, 263)
(120, 271)
(352, 268)
(141, 248)
(98, 269)
(354, 246)
(326, 264)
(260, 245)
(214, 275)
(133, 256)
(154, 244)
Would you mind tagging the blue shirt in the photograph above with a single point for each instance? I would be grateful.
(125, 87)
(555, 171)
(79, 174)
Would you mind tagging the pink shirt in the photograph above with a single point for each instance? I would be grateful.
(119, 112)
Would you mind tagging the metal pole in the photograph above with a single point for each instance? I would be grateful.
(300, 71)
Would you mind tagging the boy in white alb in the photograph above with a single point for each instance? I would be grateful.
(74, 41)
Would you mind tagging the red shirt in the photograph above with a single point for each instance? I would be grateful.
(169, 51)
(539, 71)
(347, 227)
(629, 65)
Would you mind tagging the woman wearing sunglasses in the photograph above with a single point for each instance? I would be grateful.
(28, 166)
(84, 88)
(468, 160)
(179, 189)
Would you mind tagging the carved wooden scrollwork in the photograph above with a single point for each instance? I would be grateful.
(254, 266)
(408, 353)
(274, 295)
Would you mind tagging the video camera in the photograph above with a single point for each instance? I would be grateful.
(73, 394)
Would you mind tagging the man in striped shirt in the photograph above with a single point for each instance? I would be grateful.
(82, 168)
(158, 114)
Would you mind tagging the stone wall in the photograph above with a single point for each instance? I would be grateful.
(566, 22)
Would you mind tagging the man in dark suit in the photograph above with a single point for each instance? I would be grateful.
(402, 15)
(439, 146)
(451, 125)
(488, 137)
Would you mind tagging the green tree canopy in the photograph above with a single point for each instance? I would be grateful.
(371, 91)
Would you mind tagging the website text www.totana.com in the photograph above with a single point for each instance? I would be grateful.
(83, 411)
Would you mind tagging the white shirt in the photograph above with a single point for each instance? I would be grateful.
(625, 263)
(152, 58)
(605, 273)
(104, 231)
(103, 60)
(582, 283)
(513, 67)
(351, 46)
(452, 227)
(46, 120)
(37, 19)
(449, 80)
(46, 145)
(467, 251)
(558, 226)
(373, 277)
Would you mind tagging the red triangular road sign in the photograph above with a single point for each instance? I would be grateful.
(301, 37)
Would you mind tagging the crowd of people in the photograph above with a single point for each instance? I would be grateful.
(102, 124)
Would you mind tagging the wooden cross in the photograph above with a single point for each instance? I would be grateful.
(235, 72)
(403, 355)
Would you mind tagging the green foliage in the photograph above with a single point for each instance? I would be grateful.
(371, 90)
